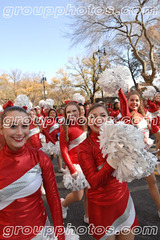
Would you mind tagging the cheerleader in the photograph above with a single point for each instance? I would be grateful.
(115, 112)
(155, 124)
(132, 112)
(71, 135)
(22, 171)
(34, 139)
(53, 128)
(34, 133)
(110, 206)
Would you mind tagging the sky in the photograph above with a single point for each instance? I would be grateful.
(32, 42)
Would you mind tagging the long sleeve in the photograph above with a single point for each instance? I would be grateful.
(44, 131)
(65, 153)
(152, 106)
(95, 178)
(52, 194)
(124, 104)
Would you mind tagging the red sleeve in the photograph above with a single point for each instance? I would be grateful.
(49, 181)
(44, 131)
(109, 110)
(65, 153)
(124, 104)
(152, 106)
(95, 178)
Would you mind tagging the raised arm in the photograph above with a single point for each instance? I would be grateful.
(152, 106)
(124, 104)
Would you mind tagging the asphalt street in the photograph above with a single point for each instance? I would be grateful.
(145, 208)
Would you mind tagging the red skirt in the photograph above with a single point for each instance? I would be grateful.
(109, 220)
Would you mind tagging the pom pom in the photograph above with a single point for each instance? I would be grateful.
(1, 108)
(49, 103)
(42, 103)
(111, 80)
(50, 148)
(77, 97)
(126, 151)
(116, 101)
(149, 93)
(23, 102)
(75, 184)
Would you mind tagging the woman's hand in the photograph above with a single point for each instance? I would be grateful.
(74, 175)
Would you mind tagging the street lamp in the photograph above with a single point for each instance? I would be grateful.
(100, 53)
(43, 80)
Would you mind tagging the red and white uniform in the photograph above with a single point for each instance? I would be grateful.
(116, 114)
(21, 205)
(154, 108)
(52, 127)
(34, 139)
(138, 120)
(109, 202)
(34, 136)
(60, 118)
(69, 150)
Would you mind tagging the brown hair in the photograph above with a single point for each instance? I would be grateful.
(66, 123)
(96, 105)
(141, 107)
(11, 109)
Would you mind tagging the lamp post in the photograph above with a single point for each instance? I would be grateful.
(43, 80)
(100, 53)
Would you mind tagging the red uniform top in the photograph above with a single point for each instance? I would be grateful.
(138, 120)
(34, 140)
(116, 114)
(69, 150)
(105, 189)
(52, 127)
(154, 108)
(21, 205)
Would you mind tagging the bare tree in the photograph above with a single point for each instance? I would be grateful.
(15, 76)
(106, 21)
(85, 74)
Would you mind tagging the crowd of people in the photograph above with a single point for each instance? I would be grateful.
(30, 140)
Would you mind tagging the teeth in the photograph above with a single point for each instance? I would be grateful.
(18, 138)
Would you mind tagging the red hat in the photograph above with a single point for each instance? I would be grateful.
(8, 104)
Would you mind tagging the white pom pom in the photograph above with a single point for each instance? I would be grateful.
(49, 103)
(75, 184)
(30, 105)
(125, 148)
(149, 93)
(50, 148)
(111, 80)
(1, 108)
(77, 97)
(22, 101)
(42, 103)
